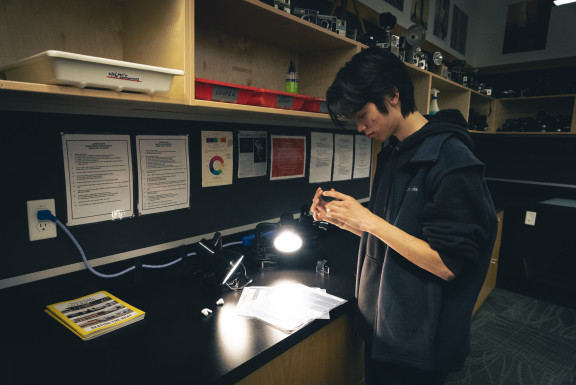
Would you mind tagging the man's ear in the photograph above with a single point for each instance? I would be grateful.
(393, 100)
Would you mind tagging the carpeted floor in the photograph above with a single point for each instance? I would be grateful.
(519, 340)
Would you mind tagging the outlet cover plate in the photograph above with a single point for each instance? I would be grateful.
(530, 218)
(41, 229)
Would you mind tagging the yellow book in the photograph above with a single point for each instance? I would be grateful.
(93, 315)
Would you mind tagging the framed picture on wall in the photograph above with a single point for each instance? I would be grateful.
(398, 4)
(419, 12)
(459, 30)
(441, 18)
(526, 26)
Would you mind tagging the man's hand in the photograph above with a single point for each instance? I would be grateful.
(322, 210)
(347, 211)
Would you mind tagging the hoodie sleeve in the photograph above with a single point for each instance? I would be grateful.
(455, 221)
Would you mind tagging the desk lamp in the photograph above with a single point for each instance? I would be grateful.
(224, 263)
(272, 240)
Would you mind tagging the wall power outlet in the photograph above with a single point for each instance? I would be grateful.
(530, 218)
(41, 229)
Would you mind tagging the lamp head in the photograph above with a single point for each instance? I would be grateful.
(274, 238)
(287, 240)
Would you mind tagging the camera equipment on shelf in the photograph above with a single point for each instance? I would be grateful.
(388, 22)
(541, 123)
(314, 17)
(457, 72)
(306, 14)
(283, 5)
(415, 35)
(438, 66)
(477, 121)
(328, 22)
(395, 45)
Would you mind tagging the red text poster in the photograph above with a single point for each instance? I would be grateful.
(288, 157)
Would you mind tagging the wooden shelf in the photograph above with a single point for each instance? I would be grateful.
(194, 36)
(244, 42)
(262, 23)
(16, 96)
(256, 49)
(85, 92)
(512, 108)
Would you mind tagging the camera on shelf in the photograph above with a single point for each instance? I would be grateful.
(477, 121)
(481, 87)
(458, 75)
(395, 44)
(283, 5)
(423, 60)
(314, 17)
(541, 123)
(328, 22)
(306, 14)
(388, 22)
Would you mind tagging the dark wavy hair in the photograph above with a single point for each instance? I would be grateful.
(370, 76)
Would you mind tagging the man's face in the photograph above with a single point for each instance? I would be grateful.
(375, 124)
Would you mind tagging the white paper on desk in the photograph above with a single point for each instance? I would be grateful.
(258, 293)
(286, 307)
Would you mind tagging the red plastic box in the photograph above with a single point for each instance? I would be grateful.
(223, 92)
(315, 105)
(277, 99)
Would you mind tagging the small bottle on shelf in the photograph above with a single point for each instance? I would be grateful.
(434, 103)
(292, 79)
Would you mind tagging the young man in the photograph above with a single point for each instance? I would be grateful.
(427, 234)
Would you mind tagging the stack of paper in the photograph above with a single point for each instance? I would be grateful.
(286, 307)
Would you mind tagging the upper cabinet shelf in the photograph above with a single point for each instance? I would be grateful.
(451, 96)
(144, 32)
(259, 22)
(243, 42)
(255, 49)
(558, 112)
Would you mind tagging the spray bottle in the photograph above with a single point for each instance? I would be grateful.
(292, 79)
(434, 103)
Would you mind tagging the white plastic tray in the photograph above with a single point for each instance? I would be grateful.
(65, 68)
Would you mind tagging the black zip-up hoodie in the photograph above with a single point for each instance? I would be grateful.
(431, 186)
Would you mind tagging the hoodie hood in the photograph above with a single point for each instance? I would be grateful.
(444, 121)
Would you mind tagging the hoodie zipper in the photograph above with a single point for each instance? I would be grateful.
(393, 176)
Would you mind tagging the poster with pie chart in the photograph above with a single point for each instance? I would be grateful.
(217, 158)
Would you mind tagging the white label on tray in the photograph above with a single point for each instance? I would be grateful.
(123, 76)
(323, 107)
(224, 94)
(284, 101)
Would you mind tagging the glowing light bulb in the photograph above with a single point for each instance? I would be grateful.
(287, 241)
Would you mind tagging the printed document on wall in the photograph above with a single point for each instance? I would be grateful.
(217, 160)
(252, 153)
(343, 157)
(362, 156)
(321, 157)
(163, 173)
(99, 180)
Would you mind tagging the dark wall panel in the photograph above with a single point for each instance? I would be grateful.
(33, 169)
